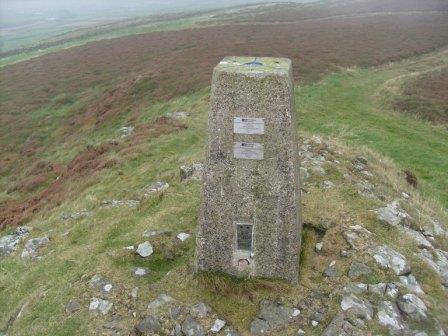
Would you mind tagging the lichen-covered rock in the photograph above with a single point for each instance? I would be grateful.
(386, 257)
(217, 325)
(109, 204)
(438, 260)
(145, 249)
(358, 307)
(201, 309)
(10, 243)
(413, 307)
(411, 283)
(389, 316)
(192, 172)
(393, 214)
(341, 326)
(100, 305)
(156, 187)
(358, 269)
(149, 325)
(191, 327)
(160, 301)
(418, 237)
(357, 237)
(77, 214)
(32, 246)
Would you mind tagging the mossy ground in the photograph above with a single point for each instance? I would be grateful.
(347, 107)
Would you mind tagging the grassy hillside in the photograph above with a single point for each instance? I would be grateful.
(347, 105)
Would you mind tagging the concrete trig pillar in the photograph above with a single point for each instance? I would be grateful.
(250, 221)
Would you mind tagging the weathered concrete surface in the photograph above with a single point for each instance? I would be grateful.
(261, 192)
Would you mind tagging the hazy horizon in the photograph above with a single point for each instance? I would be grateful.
(19, 12)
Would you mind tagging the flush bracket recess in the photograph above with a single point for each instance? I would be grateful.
(244, 236)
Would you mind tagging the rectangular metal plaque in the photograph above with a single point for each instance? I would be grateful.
(248, 150)
(243, 125)
(244, 236)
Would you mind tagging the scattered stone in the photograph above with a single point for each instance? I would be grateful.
(327, 185)
(389, 316)
(413, 307)
(126, 131)
(217, 326)
(304, 175)
(150, 324)
(344, 253)
(358, 269)
(300, 332)
(160, 301)
(178, 115)
(134, 292)
(10, 243)
(141, 271)
(272, 315)
(144, 249)
(156, 187)
(183, 236)
(32, 246)
(77, 215)
(107, 288)
(150, 233)
(393, 214)
(411, 284)
(386, 257)
(72, 306)
(439, 262)
(358, 288)
(192, 172)
(419, 238)
(357, 237)
(100, 305)
(392, 290)
(191, 327)
(100, 283)
(366, 189)
(341, 326)
(201, 309)
(358, 307)
(318, 247)
(331, 271)
(379, 288)
(109, 204)
(318, 170)
(129, 248)
(314, 323)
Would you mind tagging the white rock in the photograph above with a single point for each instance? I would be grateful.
(217, 326)
(134, 292)
(300, 332)
(389, 316)
(145, 249)
(359, 307)
(183, 236)
(141, 271)
(314, 323)
(386, 257)
(393, 214)
(107, 288)
(156, 187)
(178, 115)
(411, 284)
(100, 305)
(319, 246)
(159, 301)
(419, 238)
(413, 307)
(295, 312)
